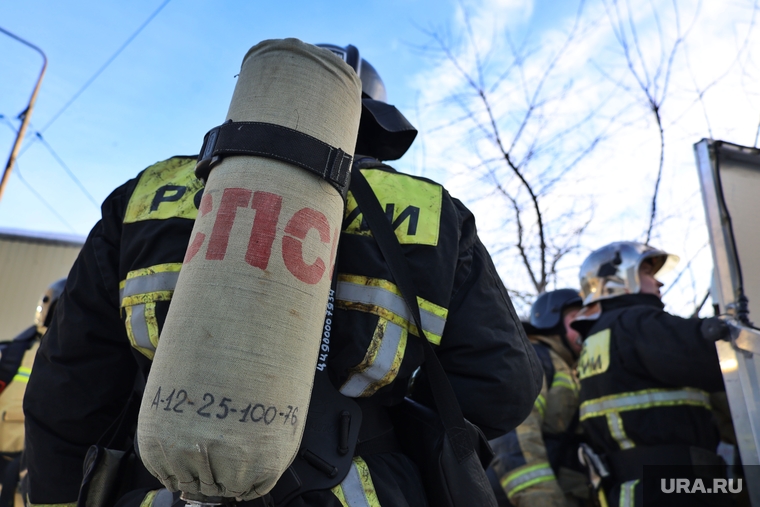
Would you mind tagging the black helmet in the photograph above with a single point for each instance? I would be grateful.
(372, 85)
(44, 314)
(546, 312)
(384, 133)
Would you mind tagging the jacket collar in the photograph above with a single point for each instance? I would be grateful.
(591, 313)
(632, 300)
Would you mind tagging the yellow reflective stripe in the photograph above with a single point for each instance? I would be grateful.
(525, 477)
(141, 299)
(565, 380)
(382, 298)
(647, 398)
(602, 498)
(169, 267)
(627, 493)
(413, 206)
(148, 500)
(357, 489)
(338, 492)
(381, 362)
(155, 283)
(166, 190)
(152, 323)
(139, 293)
(22, 374)
(540, 404)
(138, 329)
(615, 424)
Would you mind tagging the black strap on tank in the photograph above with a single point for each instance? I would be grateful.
(277, 142)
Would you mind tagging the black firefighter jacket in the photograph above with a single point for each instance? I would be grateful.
(645, 379)
(108, 322)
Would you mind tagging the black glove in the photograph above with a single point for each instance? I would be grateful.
(714, 329)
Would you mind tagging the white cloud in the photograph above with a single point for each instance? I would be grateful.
(617, 179)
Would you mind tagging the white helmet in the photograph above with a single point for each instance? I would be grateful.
(613, 270)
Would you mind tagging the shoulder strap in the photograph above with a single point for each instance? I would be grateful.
(542, 351)
(443, 394)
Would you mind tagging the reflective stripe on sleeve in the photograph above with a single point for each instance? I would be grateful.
(158, 498)
(139, 294)
(22, 374)
(138, 329)
(565, 380)
(357, 489)
(648, 398)
(381, 362)
(540, 404)
(525, 477)
(627, 490)
(148, 500)
(382, 298)
(615, 424)
(155, 283)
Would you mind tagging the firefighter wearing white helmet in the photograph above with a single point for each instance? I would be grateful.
(646, 376)
(119, 305)
(613, 270)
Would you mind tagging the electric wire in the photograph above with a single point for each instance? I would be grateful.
(34, 192)
(43, 200)
(66, 168)
(104, 66)
(65, 107)
(95, 76)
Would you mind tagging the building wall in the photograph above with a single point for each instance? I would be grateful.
(29, 263)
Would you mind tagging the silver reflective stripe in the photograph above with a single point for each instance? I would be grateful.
(140, 327)
(149, 283)
(163, 498)
(615, 423)
(353, 489)
(378, 296)
(627, 493)
(642, 400)
(357, 383)
(519, 481)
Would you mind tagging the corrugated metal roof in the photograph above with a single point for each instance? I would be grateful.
(29, 263)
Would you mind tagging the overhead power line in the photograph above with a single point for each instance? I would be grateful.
(104, 66)
(66, 168)
(32, 189)
(65, 107)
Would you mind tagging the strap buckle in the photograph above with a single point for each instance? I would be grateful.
(276, 142)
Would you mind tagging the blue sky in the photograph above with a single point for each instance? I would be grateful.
(174, 80)
(170, 85)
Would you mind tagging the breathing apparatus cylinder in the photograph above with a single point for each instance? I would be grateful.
(225, 403)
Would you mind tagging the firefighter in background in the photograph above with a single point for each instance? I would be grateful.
(122, 285)
(646, 375)
(536, 465)
(16, 359)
